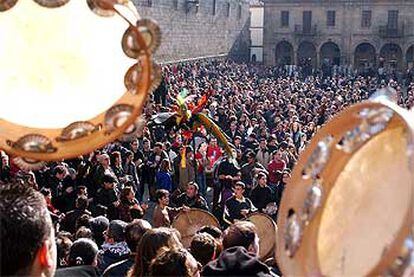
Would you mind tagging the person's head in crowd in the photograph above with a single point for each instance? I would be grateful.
(63, 244)
(127, 194)
(82, 202)
(115, 232)
(116, 158)
(134, 145)
(83, 220)
(251, 137)
(239, 189)
(151, 242)
(98, 226)
(296, 127)
(83, 252)
(213, 142)
(233, 126)
(242, 233)
(189, 153)
(60, 172)
(162, 197)
(165, 165)
(262, 179)
(105, 160)
(47, 193)
(263, 143)
(82, 190)
(251, 157)
(84, 232)
(237, 141)
(174, 262)
(26, 233)
(192, 189)
(158, 148)
(109, 182)
(286, 175)
(146, 144)
(204, 248)
(214, 231)
(283, 146)
(134, 232)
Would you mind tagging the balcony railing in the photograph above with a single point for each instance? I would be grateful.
(386, 31)
(301, 30)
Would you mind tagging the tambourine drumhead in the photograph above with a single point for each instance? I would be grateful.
(74, 75)
(188, 223)
(348, 207)
(74, 69)
(266, 229)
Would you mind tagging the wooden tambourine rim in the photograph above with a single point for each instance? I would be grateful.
(268, 255)
(182, 213)
(305, 260)
(10, 132)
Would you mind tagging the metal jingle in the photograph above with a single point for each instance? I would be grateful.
(156, 77)
(51, 3)
(34, 143)
(28, 164)
(133, 78)
(77, 130)
(104, 7)
(116, 116)
(7, 4)
(293, 234)
(150, 33)
(135, 130)
(318, 158)
(404, 261)
(313, 201)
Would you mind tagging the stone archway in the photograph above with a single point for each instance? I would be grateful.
(391, 56)
(409, 57)
(365, 56)
(284, 53)
(330, 54)
(307, 54)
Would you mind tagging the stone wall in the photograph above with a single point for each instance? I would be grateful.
(195, 31)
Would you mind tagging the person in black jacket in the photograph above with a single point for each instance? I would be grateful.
(191, 198)
(261, 195)
(68, 223)
(107, 196)
(238, 207)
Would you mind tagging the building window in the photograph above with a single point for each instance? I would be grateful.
(239, 11)
(228, 9)
(147, 3)
(330, 18)
(366, 19)
(214, 7)
(392, 20)
(284, 18)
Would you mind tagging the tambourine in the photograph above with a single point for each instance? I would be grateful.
(74, 75)
(348, 208)
(266, 230)
(188, 223)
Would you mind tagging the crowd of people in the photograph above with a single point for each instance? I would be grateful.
(110, 212)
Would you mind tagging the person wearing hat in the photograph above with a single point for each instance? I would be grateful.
(115, 248)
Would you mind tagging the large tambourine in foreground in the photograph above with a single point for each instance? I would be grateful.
(74, 75)
(348, 209)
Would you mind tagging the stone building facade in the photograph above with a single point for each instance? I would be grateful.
(361, 33)
(193, 29)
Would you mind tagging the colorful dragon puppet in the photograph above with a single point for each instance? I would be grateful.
(188, 117)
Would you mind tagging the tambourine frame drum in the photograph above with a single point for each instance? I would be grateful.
(267, 230)
(329, 205)
(188, 223)
(136, 74)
